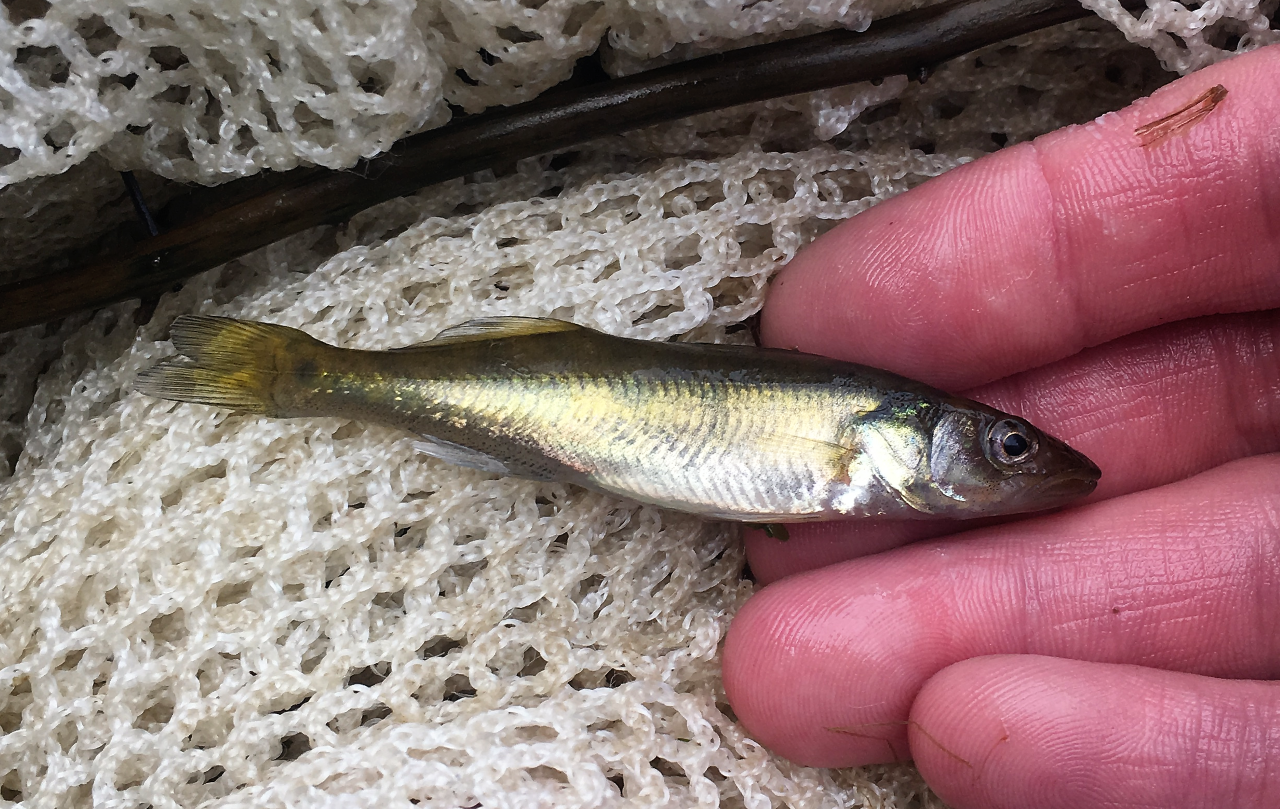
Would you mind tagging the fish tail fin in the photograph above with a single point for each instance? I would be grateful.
(234, 363)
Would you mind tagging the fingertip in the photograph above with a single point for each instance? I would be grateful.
(795, 665)
(754, 682)
(960, 735)
(759, 648)
(1022, 730)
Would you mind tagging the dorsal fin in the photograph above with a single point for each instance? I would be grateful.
(494, 328)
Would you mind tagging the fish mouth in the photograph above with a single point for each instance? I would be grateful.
(1064, 487)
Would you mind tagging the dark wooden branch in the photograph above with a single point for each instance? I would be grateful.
(293, 201)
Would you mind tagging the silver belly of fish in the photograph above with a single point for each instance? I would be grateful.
(739, 452)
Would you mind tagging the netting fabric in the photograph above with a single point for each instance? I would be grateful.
(203, 90)
(199, 608)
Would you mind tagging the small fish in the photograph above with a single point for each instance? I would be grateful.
(727, 432)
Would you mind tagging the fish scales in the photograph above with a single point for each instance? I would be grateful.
(647, 440)
(730, 432)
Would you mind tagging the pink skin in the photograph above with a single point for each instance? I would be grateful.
(994, 277)
(1096, 735)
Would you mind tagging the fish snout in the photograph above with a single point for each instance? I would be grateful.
(1078, 478)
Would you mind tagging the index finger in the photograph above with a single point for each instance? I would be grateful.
(1045, 248)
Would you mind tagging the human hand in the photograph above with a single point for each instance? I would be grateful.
(1110, 654)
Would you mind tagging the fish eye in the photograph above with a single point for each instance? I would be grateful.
(1011, 442)
(1014, 445)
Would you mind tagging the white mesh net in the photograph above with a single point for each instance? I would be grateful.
(201, 91)
(199, 608)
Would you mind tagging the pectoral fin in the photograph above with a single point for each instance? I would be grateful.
(798, 446)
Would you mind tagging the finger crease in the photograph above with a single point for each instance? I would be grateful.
(1067, 281)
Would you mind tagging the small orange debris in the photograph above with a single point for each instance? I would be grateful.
(1181, 119)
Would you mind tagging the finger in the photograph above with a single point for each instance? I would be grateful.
(1183, 577)
(1149, 409)
(994, 731)
(813, 545)
(1037, 251)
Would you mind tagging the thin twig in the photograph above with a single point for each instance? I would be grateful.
(147, 308)
(139, 203)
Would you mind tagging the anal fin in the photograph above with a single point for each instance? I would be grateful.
(459, 455)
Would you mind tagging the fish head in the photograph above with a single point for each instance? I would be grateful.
(983, 462)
